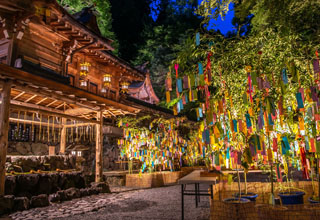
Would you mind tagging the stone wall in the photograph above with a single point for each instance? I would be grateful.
(27, 163)
(29, 185)
(111, 154)
(39, 189)
(29, 148)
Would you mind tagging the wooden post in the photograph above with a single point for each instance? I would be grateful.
(63, 136)
(4, 129)
(99, 149)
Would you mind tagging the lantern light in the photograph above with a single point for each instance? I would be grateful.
(124, 87)
(107, 78)
(104, 90)
(84, 69)
(83, 83)
(106, 82)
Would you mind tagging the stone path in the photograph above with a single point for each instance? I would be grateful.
(123, 204)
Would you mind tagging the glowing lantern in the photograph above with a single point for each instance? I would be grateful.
(84, 69)
(83, 83)
(124, 87)
(106, 82)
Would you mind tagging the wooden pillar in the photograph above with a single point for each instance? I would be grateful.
(99, 147)
(63, 136)
(4, 129)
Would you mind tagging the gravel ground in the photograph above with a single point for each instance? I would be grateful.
(124, 204)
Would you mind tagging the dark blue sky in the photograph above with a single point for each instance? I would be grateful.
(224, 25)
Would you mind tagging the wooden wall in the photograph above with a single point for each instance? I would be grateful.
(42, 46)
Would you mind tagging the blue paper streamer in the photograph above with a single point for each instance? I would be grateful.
(198, 39)
(179, 85)
(248, 121)
(235, 126)
(284, 76)
(299, 100)
(200, 68)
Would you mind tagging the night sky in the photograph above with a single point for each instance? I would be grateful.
(224, 25)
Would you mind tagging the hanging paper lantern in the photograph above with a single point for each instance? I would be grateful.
(106, 82)
(124, 86)
(83, 83)
(84, 69)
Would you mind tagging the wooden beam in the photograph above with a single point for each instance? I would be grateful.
(41, 100)
(36, 106)
(31, 122)
(29, 99)
(4, 131)
(63, 136)
(52, 113)
(59, 105)
(17, 96)
(78, 125)
(8, 71)
(51, 103)
(78, 111)
(99, 147)
(42, 92)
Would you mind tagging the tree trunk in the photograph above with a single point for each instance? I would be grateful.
(4, 127)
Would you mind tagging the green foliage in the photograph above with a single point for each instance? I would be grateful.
(166, 37)
(102, 8)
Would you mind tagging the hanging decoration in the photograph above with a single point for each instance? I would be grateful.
(84, 71)
(106, 82)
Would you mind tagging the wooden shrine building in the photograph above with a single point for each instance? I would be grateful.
(56, 70)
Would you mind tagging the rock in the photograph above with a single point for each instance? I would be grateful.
(44, 184)
(94, 190)
(27, 183)
(62, 195)
(39, 149)
(104, 187)
(6, 204)
(54, 198)
(21, 149)
(21, 203)
(39, 201)
(54, 182)
(10, 185)
(27, 163)
(79, 180)
(84, 192)
(72, 193)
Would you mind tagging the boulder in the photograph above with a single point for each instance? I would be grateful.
(94, 190)
(10, 185)
(62, 195)
(40, 201)
(104, 186)
(72, 193)
(84, 192)
(6, 204)
(54, 182)
(54, 198)
(44, 184)
(21, 148)
(21, 203)
(39, 149)
(27, 183)
(27, 163)
(12, 167)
